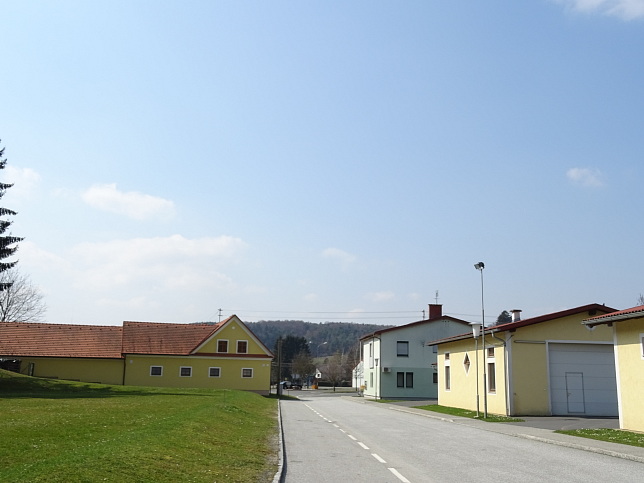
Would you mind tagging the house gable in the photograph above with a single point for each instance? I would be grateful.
(240, 341)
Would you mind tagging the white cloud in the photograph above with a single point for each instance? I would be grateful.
(624, 9)
(590, 177)
(336, 253)
(132, 204)
(25, 181)
(171, 262)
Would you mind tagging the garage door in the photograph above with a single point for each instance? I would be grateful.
(582, 379)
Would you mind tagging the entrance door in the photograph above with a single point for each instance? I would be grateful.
(575, 392)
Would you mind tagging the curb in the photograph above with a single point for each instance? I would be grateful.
(494, 429)
(281, 463)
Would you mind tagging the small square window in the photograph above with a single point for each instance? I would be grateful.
(222, 346)
(242, 347)
(490, 351)
(156, 370)
(447, 356)
(185, 371)
(247, 373)
(402, 347)
(214, 372)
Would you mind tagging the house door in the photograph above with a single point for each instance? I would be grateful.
(575, 392)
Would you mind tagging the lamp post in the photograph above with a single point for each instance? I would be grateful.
(480, 266)
(476, 330)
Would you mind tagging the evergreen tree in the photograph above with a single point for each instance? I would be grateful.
(503, 318)
(7, 242)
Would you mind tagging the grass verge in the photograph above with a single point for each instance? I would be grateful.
(59, 431)
(464, 413)
(611, 435)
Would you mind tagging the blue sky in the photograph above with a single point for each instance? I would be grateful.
(324, 160)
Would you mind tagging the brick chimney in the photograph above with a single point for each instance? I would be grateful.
(516, 315)
(435, 311)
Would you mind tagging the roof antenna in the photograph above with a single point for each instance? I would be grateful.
(436, 298)
(219, 315)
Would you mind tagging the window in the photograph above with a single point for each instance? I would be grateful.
(371, 355)
(242, 347)
(247, 372)
(185, 371)
(491, 371)
(447, 356)
(405, 379)
(491, 377)
(214, 372)
(435, 349)
(402, 348)
(466, 364)
(222, 346)
(156, 370)
(447, 381)
(435, 378)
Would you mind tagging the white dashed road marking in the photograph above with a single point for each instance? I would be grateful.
(380, 460)
(394, 471)
(398, 475)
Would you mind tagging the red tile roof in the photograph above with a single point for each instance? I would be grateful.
(632, 313)
(510, 326)
(165, 338)
(59, 340)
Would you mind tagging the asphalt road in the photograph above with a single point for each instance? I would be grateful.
(331, 439)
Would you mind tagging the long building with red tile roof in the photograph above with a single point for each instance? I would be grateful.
(226, 354)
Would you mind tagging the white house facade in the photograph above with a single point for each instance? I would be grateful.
(398, 364)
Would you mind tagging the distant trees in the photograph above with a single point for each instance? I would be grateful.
(339, 336)
(503, 318)
(7, 242)
(20, 301)
(337, 369)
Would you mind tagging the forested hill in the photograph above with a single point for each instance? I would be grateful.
(339, 336)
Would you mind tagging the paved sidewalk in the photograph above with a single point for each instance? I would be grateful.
(535, 428)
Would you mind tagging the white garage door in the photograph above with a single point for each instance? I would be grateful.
(582, 379)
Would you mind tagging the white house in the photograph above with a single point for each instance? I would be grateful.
(397, 363)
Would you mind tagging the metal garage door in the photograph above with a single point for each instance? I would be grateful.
(582, 379)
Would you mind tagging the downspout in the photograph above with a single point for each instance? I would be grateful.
(124, 368)
(508, 385)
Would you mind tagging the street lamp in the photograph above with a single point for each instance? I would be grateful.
(480, 266)
(476, 331)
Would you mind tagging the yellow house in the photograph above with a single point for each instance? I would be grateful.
(546, 365)
(628, 336)
(226, 355)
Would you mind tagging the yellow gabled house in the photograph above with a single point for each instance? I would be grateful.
(628, 337)
(542, 366)
(226, 355)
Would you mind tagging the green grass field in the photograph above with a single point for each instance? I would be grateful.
(59, 431)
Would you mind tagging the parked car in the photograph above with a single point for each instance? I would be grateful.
(290, 385)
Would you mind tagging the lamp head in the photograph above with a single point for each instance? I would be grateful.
(479, 266)
(476, 329)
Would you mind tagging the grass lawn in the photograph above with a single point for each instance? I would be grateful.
(58, 431)
(464, 413)
(612, 435)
